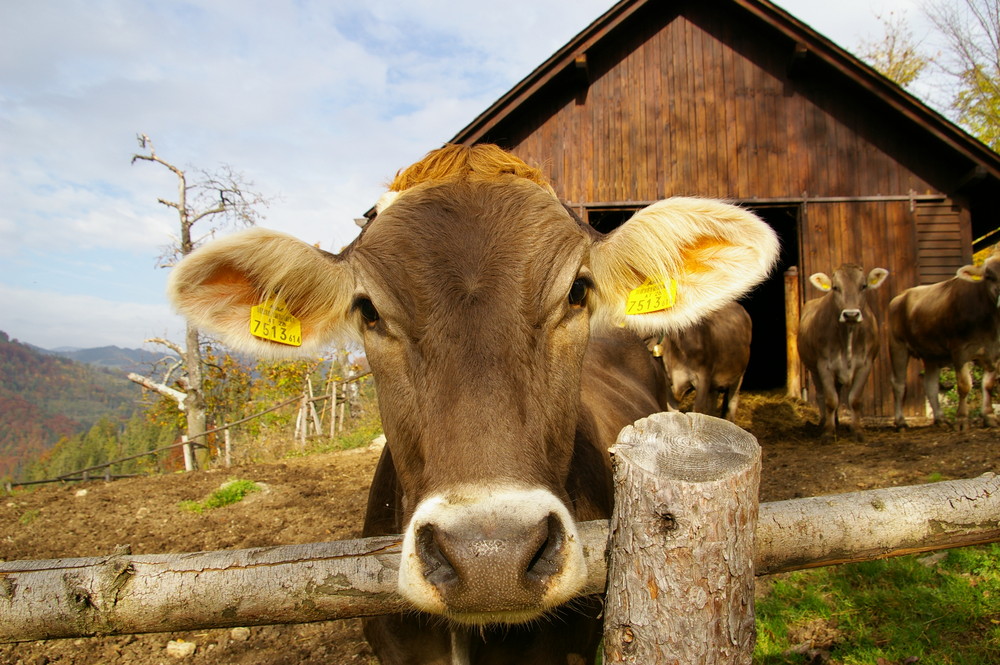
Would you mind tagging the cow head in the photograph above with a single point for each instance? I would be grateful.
(987, 275)
(475, 293)
(848, 288)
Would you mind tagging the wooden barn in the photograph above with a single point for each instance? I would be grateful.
(737, 99)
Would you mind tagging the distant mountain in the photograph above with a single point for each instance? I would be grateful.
(45, 396)
(113, 357)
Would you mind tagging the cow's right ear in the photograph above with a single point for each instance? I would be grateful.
(821, 281)
(218, 286)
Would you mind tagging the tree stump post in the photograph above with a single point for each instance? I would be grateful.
(681, 574)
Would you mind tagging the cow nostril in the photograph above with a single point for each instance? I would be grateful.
(546, 561)
(438, 570)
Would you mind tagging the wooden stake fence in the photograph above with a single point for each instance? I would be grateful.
(122, 593)
(83, 475)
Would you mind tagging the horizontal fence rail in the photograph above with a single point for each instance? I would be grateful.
(123, 594)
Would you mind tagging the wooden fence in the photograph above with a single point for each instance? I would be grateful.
(685, 493)
(307, 414)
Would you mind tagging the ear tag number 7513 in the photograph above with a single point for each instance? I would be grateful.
(272, 321)
(654, 295)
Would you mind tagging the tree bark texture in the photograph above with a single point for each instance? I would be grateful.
(876, 524)
(124, 594)
(680, 574)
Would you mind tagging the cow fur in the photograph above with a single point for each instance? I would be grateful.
(710, 358)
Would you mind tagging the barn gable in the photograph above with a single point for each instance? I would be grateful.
(737, 99)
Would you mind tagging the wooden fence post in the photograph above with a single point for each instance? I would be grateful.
(188, 454)
(681, 574)
(226, 437)
(794, 366)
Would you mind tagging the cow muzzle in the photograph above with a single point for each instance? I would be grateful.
(850, 316)
(491, 557)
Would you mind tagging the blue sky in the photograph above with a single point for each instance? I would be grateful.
(317, 102)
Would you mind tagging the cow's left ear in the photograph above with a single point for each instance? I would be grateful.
(676, 261)
(876, 277)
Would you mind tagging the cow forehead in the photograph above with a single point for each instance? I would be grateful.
(463, 238)
(850, 273)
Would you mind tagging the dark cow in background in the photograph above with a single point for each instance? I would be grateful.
(838, 341)
(709, 357)
(954, 322)
(492, 323)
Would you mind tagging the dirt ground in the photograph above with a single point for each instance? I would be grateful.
(322, 497)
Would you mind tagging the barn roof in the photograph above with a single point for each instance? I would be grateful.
(808, 45)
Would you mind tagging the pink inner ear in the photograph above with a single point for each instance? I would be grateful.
(225, 285)
(227, 277)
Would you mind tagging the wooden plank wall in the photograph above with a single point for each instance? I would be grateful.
(697, 106)
(944, 243)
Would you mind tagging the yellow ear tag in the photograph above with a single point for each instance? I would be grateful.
(652, 296)
(272, 321)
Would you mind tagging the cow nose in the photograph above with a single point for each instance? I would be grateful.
(850, 316)
(479, 568)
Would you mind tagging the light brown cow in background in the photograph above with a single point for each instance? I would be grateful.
(839, 340)
(710, 358)
(954, 322)
(490, 318)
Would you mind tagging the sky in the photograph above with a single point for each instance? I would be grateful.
(317, 103)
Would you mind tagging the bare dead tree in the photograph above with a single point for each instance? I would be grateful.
(216, 200)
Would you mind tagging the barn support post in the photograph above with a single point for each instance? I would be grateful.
(792, 333)
(681, 573)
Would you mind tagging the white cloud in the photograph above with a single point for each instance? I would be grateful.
(51, 320)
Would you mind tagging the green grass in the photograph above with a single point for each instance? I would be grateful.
(231, 492)
(886, 612)
(357, 437)
(28, 517)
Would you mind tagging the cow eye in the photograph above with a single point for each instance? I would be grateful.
(367, 311)
(578, 293)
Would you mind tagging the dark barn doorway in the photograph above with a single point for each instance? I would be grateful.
(768, 369)
(765, 304)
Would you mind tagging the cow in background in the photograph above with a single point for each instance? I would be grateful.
(710, 357)
(492, 323)
(838, 342)
(954, 322)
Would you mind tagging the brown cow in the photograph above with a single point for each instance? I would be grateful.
(710, 358)
(954, 322)
(839, 340)
(490, 319)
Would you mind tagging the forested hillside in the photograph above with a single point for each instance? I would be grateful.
(44, 398)
(114, 358)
